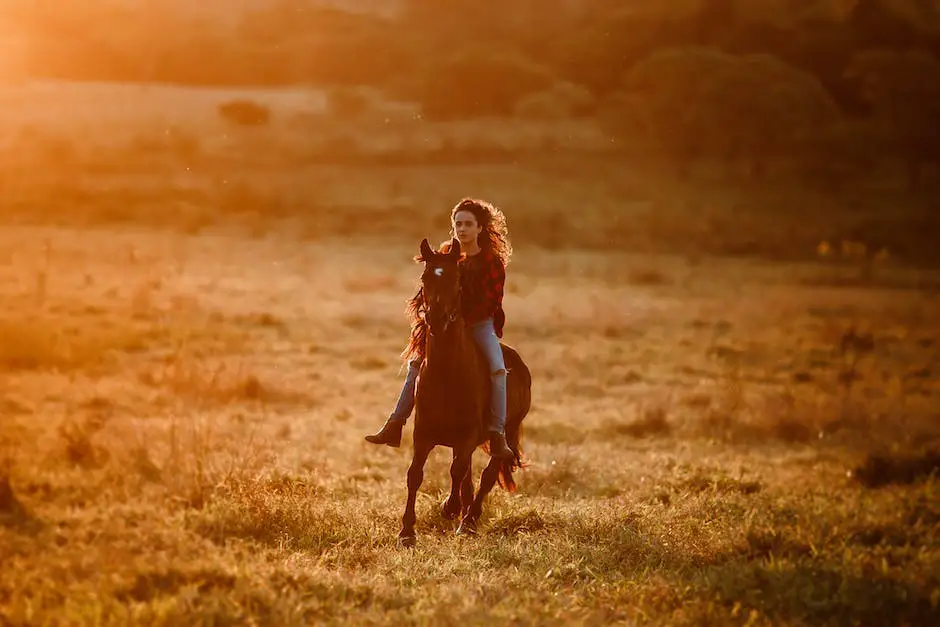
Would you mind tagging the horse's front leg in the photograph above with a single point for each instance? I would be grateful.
(468, 525)
(459, 472)
(466, 490)
(407, 537)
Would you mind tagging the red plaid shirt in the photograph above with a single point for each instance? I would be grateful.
(483, 281)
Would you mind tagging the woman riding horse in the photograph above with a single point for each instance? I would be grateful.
(481, 230)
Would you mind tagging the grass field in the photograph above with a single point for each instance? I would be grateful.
(182, 404)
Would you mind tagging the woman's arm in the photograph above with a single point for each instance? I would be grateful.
(494, 284)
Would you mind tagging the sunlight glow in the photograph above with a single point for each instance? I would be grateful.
(725, 271)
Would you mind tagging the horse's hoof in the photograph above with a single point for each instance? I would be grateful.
(449, 513)
(407, 542)
(467, 529)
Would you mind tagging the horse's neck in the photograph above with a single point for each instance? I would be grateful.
(450, 353)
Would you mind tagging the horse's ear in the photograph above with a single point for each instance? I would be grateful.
(455, 249)
(426, 253)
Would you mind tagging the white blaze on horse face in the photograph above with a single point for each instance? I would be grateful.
(438, 271)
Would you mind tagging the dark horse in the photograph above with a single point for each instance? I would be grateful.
(452, 399)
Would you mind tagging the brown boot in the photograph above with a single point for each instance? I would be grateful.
(498, 446)
(389, 434)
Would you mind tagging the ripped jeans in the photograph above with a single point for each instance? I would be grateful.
(484, 335)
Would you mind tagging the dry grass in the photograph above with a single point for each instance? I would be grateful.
(182, 410)
(199, 456)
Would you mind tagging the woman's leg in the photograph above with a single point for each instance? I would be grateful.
(406, 398)
(485, 336)
(390, 433)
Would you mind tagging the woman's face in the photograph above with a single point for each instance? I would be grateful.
(466, 228)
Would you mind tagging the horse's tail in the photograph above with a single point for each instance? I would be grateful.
(507, 467)
(519, 402)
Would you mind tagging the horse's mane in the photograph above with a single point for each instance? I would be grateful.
(419, 328)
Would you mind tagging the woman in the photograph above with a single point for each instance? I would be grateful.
(484, 238)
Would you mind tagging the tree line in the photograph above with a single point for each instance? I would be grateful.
(739, 78)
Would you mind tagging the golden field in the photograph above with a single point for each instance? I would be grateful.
(187, 372)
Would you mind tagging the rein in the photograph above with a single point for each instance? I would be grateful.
(450, 316)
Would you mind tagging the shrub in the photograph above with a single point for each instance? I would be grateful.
(245, 113)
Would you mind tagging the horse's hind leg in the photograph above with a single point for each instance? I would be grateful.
(406, 536)
(459, 473)
(466, 490)
(487, 481)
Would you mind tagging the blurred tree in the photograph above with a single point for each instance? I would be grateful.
(824, 48)
(883, 23)
(479, 82)
(713, 20)
(599, 51)
(694, 102)
(922, 15)
(903, 89)
(590, 43)
(665, 103)
(456, 23)
(304, 43)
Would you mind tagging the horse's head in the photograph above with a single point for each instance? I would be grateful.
(440, 284)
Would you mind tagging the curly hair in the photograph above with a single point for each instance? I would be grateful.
(495, 233)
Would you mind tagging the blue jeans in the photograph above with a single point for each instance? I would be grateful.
(485, 337)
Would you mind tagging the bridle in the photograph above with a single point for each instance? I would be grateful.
(450, 316)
